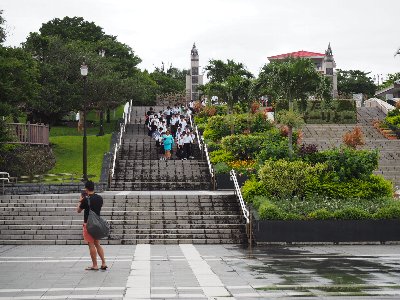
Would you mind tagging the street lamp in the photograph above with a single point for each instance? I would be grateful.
(84, 73)
(102, 53)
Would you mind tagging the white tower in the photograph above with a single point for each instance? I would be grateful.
(195, 78)
(329, 66)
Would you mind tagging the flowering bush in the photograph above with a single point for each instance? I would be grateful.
(243, 166)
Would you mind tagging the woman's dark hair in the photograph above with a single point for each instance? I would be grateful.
(89, 185)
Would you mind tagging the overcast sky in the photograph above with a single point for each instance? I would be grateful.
(364, 34)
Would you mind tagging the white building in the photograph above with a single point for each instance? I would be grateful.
(324, 63)
(194, 79)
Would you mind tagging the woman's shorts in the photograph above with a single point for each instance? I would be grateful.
(86, 236)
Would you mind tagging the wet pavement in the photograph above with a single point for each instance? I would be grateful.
(202, 272)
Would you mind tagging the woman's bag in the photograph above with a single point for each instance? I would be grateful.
(97, 226)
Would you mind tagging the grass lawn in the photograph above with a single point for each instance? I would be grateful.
(68, 153)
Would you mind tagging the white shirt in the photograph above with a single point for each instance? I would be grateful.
(183, 123)
(187, 139)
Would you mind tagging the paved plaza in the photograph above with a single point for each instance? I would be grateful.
(202, 272)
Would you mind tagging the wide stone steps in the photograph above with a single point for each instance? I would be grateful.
(158, 219)
(328, 136)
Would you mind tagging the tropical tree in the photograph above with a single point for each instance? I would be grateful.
(391, 78)
(292, 79)
(355, 82)
(229, 81)
(171, 80)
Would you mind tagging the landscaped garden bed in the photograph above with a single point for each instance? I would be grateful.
(306, 195)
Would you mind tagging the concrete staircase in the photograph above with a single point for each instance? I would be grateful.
(151, 201)
(142, 218)
(139, 166)
(328, 136)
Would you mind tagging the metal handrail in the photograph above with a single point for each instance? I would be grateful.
(198, 138)
(122, 129)
(245, 211)
(208, 159)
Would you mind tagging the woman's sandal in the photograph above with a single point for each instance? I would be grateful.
(103, 268)
(91, 269)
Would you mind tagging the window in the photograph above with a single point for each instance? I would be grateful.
(195, 79)
(195, 71)
(329, 71)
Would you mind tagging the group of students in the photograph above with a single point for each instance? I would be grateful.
(170, 127)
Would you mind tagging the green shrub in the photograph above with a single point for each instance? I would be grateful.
(221, 156)
(351, 213)
(221, 168)
(26, 160)
(260, 124)
(244, 146)
(251, 189)
(347, 163)
(345, 105)
(320, 214)
(269, 211)
(370, 188)
(390, 212)
(274, 151)
(284, 178)
(217, 127)
(213, 146)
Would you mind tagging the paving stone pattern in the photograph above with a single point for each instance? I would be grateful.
(142, 217)
(328, 136)
(201, 272)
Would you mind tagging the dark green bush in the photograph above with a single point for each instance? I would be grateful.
(345, 105)
(351, 213)
(370, 188)
(390, 212)
(347, 163)
(274, 151)
(26, 160)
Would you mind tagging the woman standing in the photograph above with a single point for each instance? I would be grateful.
(168, 143)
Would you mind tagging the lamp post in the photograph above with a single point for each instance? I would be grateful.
(84, 73)
(102, 53)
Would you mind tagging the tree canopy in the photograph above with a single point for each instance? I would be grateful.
(19, 75)
(60, 47)
(292, 79)
(355, 82)
(230, 81)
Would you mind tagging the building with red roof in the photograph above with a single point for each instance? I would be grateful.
(324, 63)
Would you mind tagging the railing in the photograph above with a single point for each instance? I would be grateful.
(238, 192)
(122, 129)
(32, 134)
(198, 139)
(382, 105)
(210, 168)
